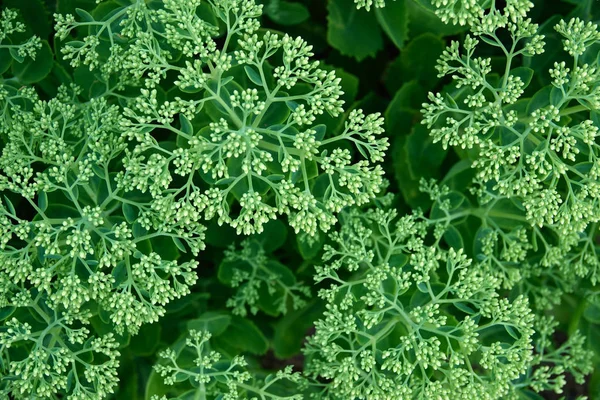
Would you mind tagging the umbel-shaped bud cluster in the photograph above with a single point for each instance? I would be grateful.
(248, 135)
(539, 149)
(411, 320)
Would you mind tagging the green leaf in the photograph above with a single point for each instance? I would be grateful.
(31, 71)
(14, 53)
(511, 331)
(269, 300)
(416, 156)
(215, 322)
(531, 395)
(398, 260)
(524, 73)
(349, 84)
(592, 313)
(227, 268)
(87, 80)
(189, 395)
(6, 312)
(460, 176)
(220, 236)
(185, 125)
(9, 206)
(310, 246)
(353, 32)
(147, 340)
(69, 6)
(5, 58)
(138, 230)
(84, 15)
(34, 14)
(179, 244)
(243, 335)
(404, 109)
(453, 238)
(156, 386)
(42, 201)
(55, 210)
(424, 156)
(292, 329)
(393, 19)
(553, 51)
(253, 75)
(286, 13)
(423, 52)
(507, 214)
(423, 19)
(137, 370)
(481, 234)
(422, 286)
(274, 235)
(130, 212)
(556, 96)
(99, 171)
(464, 308)
(164, 248)
(119, 273)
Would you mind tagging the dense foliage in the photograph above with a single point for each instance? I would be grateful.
(276, 199)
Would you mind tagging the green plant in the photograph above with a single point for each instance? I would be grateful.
(541, 151)
(261, 146)
(197, 203)
(401, 326)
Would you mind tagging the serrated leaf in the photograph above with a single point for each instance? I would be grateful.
(422, 19)
(423, 51)
(393, 19)
(353, 32)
